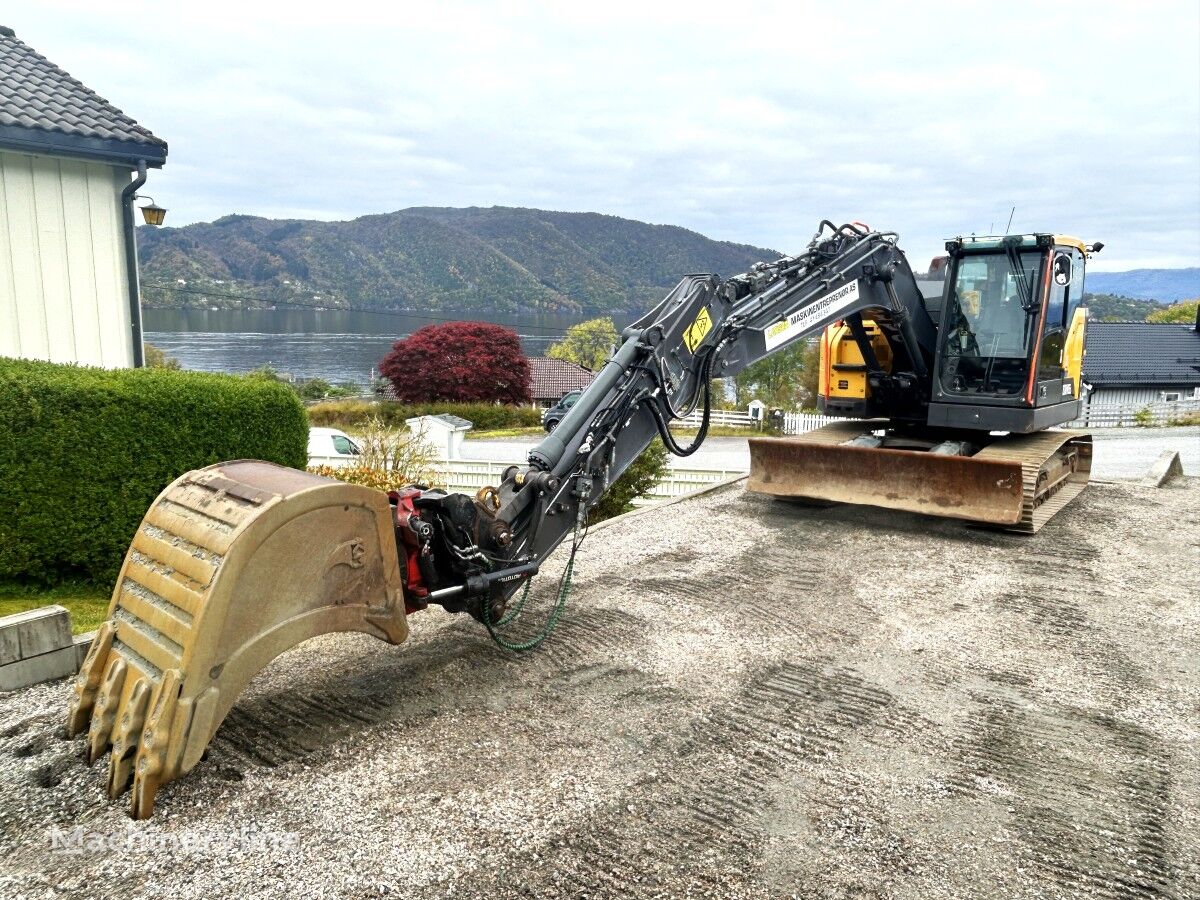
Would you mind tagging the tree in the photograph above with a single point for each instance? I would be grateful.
(786, 379)
(588, 344)
(320, 389)
(810, 375)
(462, 362)
(158, 359)
(1184, 312)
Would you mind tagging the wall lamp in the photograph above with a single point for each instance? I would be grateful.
(153, 213)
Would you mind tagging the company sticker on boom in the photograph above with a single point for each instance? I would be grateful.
(803, 320)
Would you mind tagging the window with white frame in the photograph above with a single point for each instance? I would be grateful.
(1171, 396)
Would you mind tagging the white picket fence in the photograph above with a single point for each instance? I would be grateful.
(799, 423)
(468, 476)
(1100, 415)
(793, 422)
(727, 418)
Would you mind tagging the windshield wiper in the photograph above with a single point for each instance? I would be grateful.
(1014, 262)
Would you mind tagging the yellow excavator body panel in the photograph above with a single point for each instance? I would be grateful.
(1074, 349)
(1065, 240)
(843, 369)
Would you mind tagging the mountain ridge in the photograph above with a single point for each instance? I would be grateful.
(494, 258)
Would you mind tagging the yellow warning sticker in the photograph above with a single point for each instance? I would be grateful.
(697, 330)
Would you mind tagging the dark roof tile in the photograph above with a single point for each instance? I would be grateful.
(43, 99)
(1131, 353)
(551, 378)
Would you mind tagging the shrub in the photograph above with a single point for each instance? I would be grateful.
(320, 389)
(391, 458)
(459, 361)
(1144, 418)
(637, 481)
(484, 416)
(158, 359)
(1184, 312)
(84, 452)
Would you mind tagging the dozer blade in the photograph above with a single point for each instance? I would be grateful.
(1016, 483)
(232, 565)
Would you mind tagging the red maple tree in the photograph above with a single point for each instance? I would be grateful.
(458, 361)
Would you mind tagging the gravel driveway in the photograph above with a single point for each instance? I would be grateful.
(746, 698)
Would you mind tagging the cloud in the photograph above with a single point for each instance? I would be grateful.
(747, 122)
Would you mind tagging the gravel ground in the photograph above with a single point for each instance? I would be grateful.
(1119, 452)
(746, 698)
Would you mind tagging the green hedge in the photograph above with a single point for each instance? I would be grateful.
(484, 416)
(83, 453)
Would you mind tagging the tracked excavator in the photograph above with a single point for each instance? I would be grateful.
(950, 397)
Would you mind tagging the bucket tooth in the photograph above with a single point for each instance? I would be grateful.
(87, 682)
(125, 739)
(151, 765)
(231, 566)
(105, 712)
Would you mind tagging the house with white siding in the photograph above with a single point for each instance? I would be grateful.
(1135, 364)
(70, 166)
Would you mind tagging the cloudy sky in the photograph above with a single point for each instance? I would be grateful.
(744, 121)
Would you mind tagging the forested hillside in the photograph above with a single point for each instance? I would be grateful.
(1110, 308)
(498, 259)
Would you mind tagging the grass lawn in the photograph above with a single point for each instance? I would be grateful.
(87, 603)
(505, 433)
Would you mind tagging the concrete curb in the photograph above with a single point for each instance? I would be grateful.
(36, 646)
(1166, 467)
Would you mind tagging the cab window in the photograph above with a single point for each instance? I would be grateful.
(990, 332)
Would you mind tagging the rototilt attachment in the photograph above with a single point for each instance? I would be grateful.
(232, 565)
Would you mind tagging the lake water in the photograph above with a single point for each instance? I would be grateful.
(336, 345)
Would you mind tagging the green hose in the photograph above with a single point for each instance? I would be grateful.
(555, 614)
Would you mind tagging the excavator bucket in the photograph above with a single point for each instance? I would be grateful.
(1016, 483)
(231, 566)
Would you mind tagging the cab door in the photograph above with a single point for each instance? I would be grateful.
(1061, 330)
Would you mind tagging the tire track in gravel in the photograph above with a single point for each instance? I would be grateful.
(695, 823)
(1098, 829)
(282, 726)
(1088, 793)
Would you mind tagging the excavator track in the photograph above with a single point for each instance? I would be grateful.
(1016, 483)
(1055, 468)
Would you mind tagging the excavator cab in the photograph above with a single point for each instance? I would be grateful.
(1005, 367)
(1010, 350)
(1010, 339)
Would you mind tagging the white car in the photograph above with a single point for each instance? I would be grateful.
(330, 447)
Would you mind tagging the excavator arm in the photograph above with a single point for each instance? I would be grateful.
(238, 562)
(705, 328)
